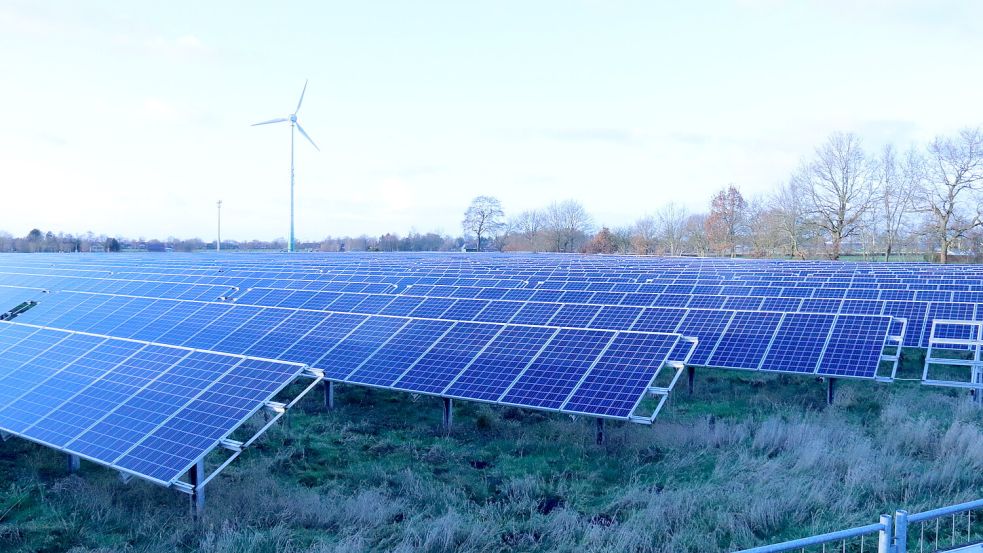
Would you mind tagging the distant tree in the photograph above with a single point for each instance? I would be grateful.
(670, 223)
(525, 231)
(644, 239)
(952, 186)
(622, 239)
(112, 245)
(484, 217)
(695, 235)
(727, 220)
(899, 181)
(839, 181)
(567, 225)
(789, 207)
(603, 242)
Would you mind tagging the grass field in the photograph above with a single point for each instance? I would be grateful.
(747, 459)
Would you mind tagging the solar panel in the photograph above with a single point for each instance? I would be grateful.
(503, 359)
(555, 372)
(743, 344)
(614, 386)
(855, 346)
(448, 357)
(798, 343)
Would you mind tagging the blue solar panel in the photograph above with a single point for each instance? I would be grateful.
(499, 312)
(948, 310)
(447, 358)
(614, 317)
(313, 345)
(617, 382)
(659, 319)
(577, 316)
(706, 326)
(798, 343)
(274, 344)
(855, 346)
(535, 313)
(399, 353)
(557, 370)
(102, 396)
(214, 414)
(498, 365)
(464, 310)
(745, 341)
(348, 354)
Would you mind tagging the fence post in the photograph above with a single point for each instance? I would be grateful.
(900, 531)
(884, 536)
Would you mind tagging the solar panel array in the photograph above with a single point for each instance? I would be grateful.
(574, 334)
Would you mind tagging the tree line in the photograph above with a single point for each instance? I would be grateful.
(843, 199)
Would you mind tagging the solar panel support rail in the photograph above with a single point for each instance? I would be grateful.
(663, 391)
(973, 345)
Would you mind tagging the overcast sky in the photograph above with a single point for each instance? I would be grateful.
(133, 120)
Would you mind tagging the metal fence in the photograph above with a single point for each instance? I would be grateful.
(935, 530)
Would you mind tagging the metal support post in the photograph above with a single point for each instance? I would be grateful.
(830, 390)
(690, 376)
(900, 532)
(884, 536)
(448, 417)
(195, 476)
(329, 395)
(599, 437)
(73, 463)
(977, 378)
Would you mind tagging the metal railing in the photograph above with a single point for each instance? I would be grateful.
(849, 540)
(946, 527)
(935, 530)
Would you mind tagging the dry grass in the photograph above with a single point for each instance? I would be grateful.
(746, 460)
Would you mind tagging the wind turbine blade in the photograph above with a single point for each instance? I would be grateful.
(301, 129)
(301, 101)
(277, 120)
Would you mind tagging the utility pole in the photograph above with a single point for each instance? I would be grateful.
(218, 245)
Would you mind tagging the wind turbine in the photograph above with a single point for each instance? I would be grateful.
(293, 124)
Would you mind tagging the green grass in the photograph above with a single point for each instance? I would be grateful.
(746, 459)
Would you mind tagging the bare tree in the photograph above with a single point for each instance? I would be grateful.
(483, 217)
(899, 181)
(525, 231)
(670, 221)
(839, 182)
(954, 174)
(726, 223)
(567, 225)
(791, 217)
(695, 235)
(644, 234)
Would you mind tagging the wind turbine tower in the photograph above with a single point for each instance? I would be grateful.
(294, 124)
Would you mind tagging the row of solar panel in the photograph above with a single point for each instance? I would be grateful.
(614, 317)
(738, 298)
(919, 314)
(150, 410)
(367, 284)
(725, 340)
(479, 361)
(751, 274)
